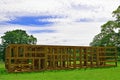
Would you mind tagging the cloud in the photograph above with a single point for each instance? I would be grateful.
(65, 22)
(60, 34)
(85, 20)
(83, 9)
(41, 31)
(67, 34)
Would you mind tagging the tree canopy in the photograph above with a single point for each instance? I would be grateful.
(110, 32)
(16, 37)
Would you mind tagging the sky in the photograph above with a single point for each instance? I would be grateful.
(57, 22)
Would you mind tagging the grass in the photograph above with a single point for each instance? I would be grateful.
(112, 73)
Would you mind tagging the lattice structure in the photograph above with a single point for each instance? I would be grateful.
(22, 58)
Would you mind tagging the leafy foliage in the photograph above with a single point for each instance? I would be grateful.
(110, 32)
(16, 37)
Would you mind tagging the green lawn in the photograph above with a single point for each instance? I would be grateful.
(112, 73)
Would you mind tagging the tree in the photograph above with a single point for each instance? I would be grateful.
(16, 37)
(110, 32)
(1, 50)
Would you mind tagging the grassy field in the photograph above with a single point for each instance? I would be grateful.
(112, 73)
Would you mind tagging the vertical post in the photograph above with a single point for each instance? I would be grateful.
(80, 57)
(8, 55)
(67, 53)
(97, 56)
(63, 57)
(85, 57)
(91, 56)
(16, 54)
(104, 56)
(9, 63)
(56, 57)
(74, 56)
(53, 57)
(69, 57)
(33, 67)
(115, 56)
(51, 60)
(45, 53)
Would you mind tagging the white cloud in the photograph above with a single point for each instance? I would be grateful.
(79, 34)
(92, 8)
(68, 31)
(66, 34)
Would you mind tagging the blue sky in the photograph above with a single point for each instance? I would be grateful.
(57, 22)
(30, 21)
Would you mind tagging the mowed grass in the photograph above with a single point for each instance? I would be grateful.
(111, 73)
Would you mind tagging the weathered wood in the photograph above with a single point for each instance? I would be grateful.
(22, 57)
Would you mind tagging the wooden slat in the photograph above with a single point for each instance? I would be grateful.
(59, 57)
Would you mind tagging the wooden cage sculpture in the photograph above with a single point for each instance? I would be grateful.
(22, 57)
